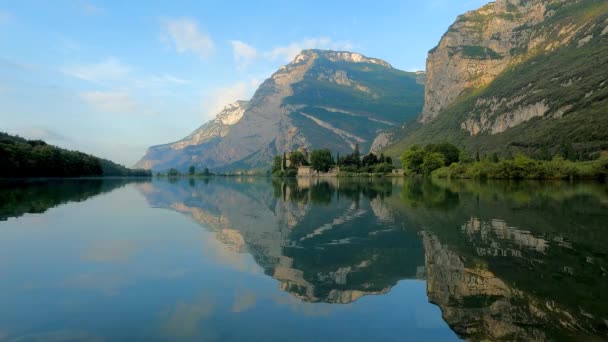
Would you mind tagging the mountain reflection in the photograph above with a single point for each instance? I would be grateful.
(503, 260)
(323, 241)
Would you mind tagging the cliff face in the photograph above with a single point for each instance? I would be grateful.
(321, 99)
(518, 73)
(478, 47)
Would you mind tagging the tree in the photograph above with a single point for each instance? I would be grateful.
(450, 152)
(357, 155)
(338, 161)
(413, 158)
(369, 160)
(191, 170)
(321, 160)
(297, 159)
(173, 173)
(206, 172)
(284, 161)
(495, 158)
(276, 164)
(431, 162)
(477, 156)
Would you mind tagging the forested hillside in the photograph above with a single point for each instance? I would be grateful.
(20, 157)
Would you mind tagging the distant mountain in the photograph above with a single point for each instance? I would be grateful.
(22, 158)
(321, 99)
(518, 76)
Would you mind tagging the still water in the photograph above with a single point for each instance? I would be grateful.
(255, 259)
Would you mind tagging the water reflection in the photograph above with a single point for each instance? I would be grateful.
(323, 241)
(503, 260)
(514, 261)
(37, 196)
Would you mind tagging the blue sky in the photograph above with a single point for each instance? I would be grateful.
(114, 77)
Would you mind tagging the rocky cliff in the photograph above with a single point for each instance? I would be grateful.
(518, 73)
(322, 99)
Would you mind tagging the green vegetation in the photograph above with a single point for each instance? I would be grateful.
(352, 164)
(321, 160)
(21, 158)
(418, 160)
(522, 167)
(447, 161)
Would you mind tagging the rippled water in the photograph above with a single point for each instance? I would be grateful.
(256, 259)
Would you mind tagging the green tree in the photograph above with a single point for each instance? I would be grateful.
(284, 161)
(450, 152)
(321, 160)
(413, 158)
(357, 155)
(477, 159)
(297, 159)
(276, 164)
(206, 172)
(173, 173)
(431, 162)
(191, 170)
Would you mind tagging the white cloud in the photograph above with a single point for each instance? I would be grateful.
(119, 102)
(217, 99)
(185, 35)
(243, 53)
(110, 69)
(288, 52)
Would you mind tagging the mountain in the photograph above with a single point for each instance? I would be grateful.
(22, 158)
(321, 99)
(185, 151)
(518, 76)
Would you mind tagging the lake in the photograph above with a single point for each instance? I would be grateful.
(234, 259)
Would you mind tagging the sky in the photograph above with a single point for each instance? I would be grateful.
(112, 78)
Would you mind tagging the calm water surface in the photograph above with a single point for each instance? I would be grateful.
(256, 259)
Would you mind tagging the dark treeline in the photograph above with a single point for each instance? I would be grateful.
(21, 158)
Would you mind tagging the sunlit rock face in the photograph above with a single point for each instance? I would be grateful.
(321, 99)
(483, 43)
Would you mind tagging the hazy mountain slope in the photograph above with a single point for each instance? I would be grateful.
(195, 145)
(514, 76)
(321, 99)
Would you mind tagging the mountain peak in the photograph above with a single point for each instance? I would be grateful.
(338, 56)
